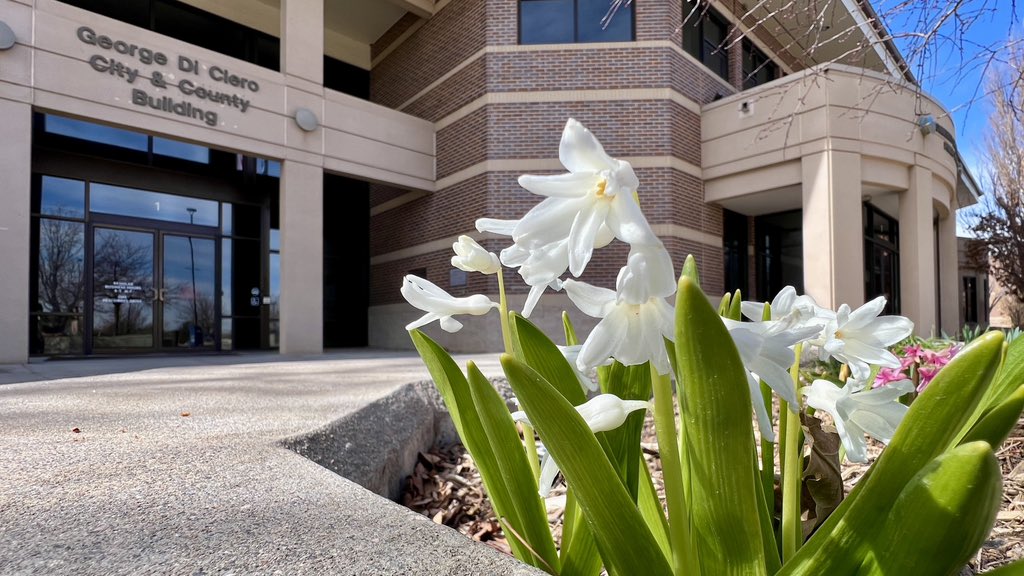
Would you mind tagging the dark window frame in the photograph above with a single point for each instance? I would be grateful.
(702, 49)
(871, 241)
(575, 23)
(754, 62)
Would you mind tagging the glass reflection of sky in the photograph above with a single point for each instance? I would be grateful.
(96, 133)
(275, 284)
(225, 277)
(63, 197)
(107, 199)
(177, 278)
(183, 150)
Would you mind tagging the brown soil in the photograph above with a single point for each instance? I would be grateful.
(446, 487)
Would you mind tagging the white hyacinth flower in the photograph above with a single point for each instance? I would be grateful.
(597, 191)
(648, 273)
(602, 413)
(540, 267)
(766, 351)
(571, 353)
(787, 302)
(630, 333)
(472, 257)
(857, 411)
(861, 337)
(440, 305)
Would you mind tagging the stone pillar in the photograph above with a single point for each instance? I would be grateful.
(15, 220)
(949, 275)
(917, 253)
(833, 238)
(302, 258)
(302, 39)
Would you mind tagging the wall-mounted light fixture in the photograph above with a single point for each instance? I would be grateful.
(926, 124)
(306, 119)
(7, 38)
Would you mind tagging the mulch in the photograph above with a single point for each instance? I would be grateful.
(446, 487)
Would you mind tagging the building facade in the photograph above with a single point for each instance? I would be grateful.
(224, 175)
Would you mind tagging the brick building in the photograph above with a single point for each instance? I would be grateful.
(305, 154)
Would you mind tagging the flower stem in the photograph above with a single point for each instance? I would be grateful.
(531, 450)
(683, 559)
(506, 336)
(792, 531)
(767, 455)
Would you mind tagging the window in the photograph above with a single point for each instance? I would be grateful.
(570, 21)
(757, 68)
(96, 133)
(881, 258)
(970, 292)
(735, 244)
(704, 37)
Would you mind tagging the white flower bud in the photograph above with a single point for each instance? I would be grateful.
(472, 257)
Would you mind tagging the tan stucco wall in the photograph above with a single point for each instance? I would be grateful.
(49, 70)
(839, 135)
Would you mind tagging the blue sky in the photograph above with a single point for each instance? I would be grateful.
(954, 71)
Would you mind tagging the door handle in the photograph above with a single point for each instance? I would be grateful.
(160, 295)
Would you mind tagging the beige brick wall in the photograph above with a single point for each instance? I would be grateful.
(448, 39)
(454, 43)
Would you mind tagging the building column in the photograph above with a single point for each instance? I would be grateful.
(833, 236)
(302, 258)
(302, 39)
(15, 221)
(949, 275)
(917, 253)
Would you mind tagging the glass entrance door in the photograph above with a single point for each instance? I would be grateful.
(153, 290)
(123, 289)
(188, 284)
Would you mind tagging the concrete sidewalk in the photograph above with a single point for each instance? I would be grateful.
(176, 467)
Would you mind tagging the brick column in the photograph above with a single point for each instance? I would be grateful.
(917, 253)
(16, 167)
(735, 58)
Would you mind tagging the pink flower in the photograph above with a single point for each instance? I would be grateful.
(926, 373)
(913, 351)
(889, 375)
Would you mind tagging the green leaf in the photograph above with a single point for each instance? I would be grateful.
(628, 383)
(941, 517)
(625, 543)
(997, 424)
(570, 332)
(1007, 380)
(735, 310)
(454, 389)
(651, 509)
(928, 429)
(514, 467)
(690, 269)
(534, 348)
(580, 556)
(717, 435)
(723, 305)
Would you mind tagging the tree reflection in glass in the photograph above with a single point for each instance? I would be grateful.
(61, 285)
(122, 289)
